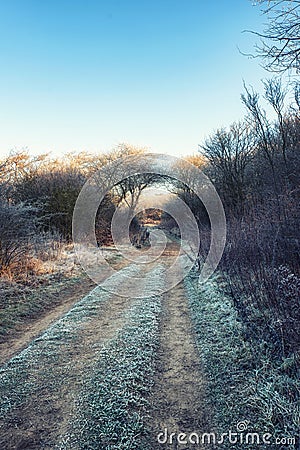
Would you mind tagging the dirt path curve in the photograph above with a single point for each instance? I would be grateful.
(41, 384)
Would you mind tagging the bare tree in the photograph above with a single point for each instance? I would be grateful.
(274, 137)
(17, 227)
(229, 153)
(280, 41)
(130, 188)
(275, 94)
(264, 131)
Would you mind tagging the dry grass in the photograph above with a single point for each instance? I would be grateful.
(29, 291)
(246, 382)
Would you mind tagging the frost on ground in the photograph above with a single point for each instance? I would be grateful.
(242, 383)
(18, 377)
(113, 402)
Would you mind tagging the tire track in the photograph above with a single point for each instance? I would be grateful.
(177, 397)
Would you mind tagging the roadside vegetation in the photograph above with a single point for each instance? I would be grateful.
(37, 259)
(255, 167)
(247, 319)
(246, 385)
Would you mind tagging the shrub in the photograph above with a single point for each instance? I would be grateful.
(17, 226)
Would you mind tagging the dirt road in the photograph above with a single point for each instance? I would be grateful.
(145, 350)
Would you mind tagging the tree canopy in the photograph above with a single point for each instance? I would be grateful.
(280, 41)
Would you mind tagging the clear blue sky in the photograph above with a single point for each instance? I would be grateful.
(87, 74)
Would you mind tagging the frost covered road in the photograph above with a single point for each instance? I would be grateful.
(110, 374)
